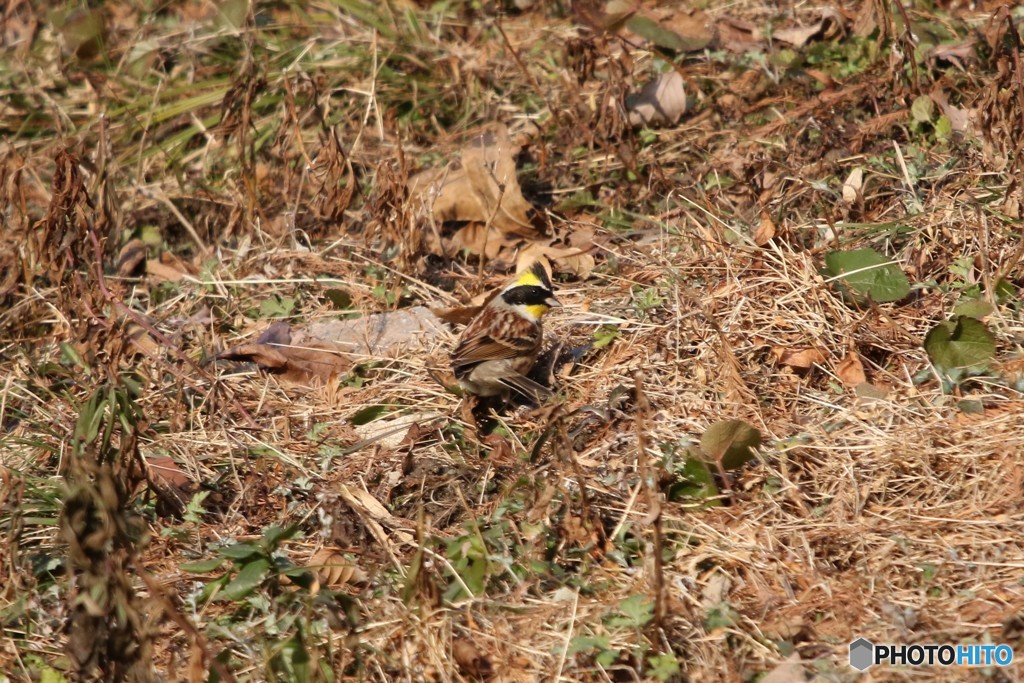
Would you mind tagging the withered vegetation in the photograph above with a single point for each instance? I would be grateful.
(238, 241)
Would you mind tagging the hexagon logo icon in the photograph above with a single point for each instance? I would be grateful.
(862, 654)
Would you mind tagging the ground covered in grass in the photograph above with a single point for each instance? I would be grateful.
(239, 241)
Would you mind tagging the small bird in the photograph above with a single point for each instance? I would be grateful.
(500, 345)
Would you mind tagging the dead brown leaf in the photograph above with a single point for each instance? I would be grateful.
(314, 361)
(765, 230)
(391, 432)
(582, 237)
(716, 589)
(662, 102)
(169, 267)
(174, 487)
(780, 625)
(851, 370)
(334, 569)
(789, 671)
(500, 449)
(736, 35)
(477, 238)
(831, 25)
(607, 17)
(867, 20)
(374, 514)
(142, 340)
(802, 358)
(961, 55)
(576, 261)
(691, 25)
(853, 187)
(959, 119)
(482, 188)
(165, 471)
(472, 663)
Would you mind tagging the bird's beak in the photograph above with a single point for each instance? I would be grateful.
(552, 302)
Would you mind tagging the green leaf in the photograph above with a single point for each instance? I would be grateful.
(277, 307)
(370, 13)
(300, 576)
(211, 588)
(202, 567)
(634, 612)
(247, 580)
(973, 308)
(663, 667)
(962, 344)
(40, 671)
(369, 414)
(194, 510)
(90, 418)
(866, 273)
(273, 535)
(651, 30)
(339, 298)
(731, 442)
(84, 32)
(1005, 291)
(638, 608)
(293, 660)
(583, 643)
(70, 356)
(475, 576)
(607, 657)
(922, 109)
(49, 674)
(240, 551)
(695, 482)
(721, 616)
(604, 336)
(44, 565)
(151, 235)
(232, 13)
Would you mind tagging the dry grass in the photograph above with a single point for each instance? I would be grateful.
(526, 553)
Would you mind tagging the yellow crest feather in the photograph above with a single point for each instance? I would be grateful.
(534, 276)
(529, 278)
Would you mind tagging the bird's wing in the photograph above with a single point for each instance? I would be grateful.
(479, 348)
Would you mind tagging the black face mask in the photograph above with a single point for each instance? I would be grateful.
(528, 295)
